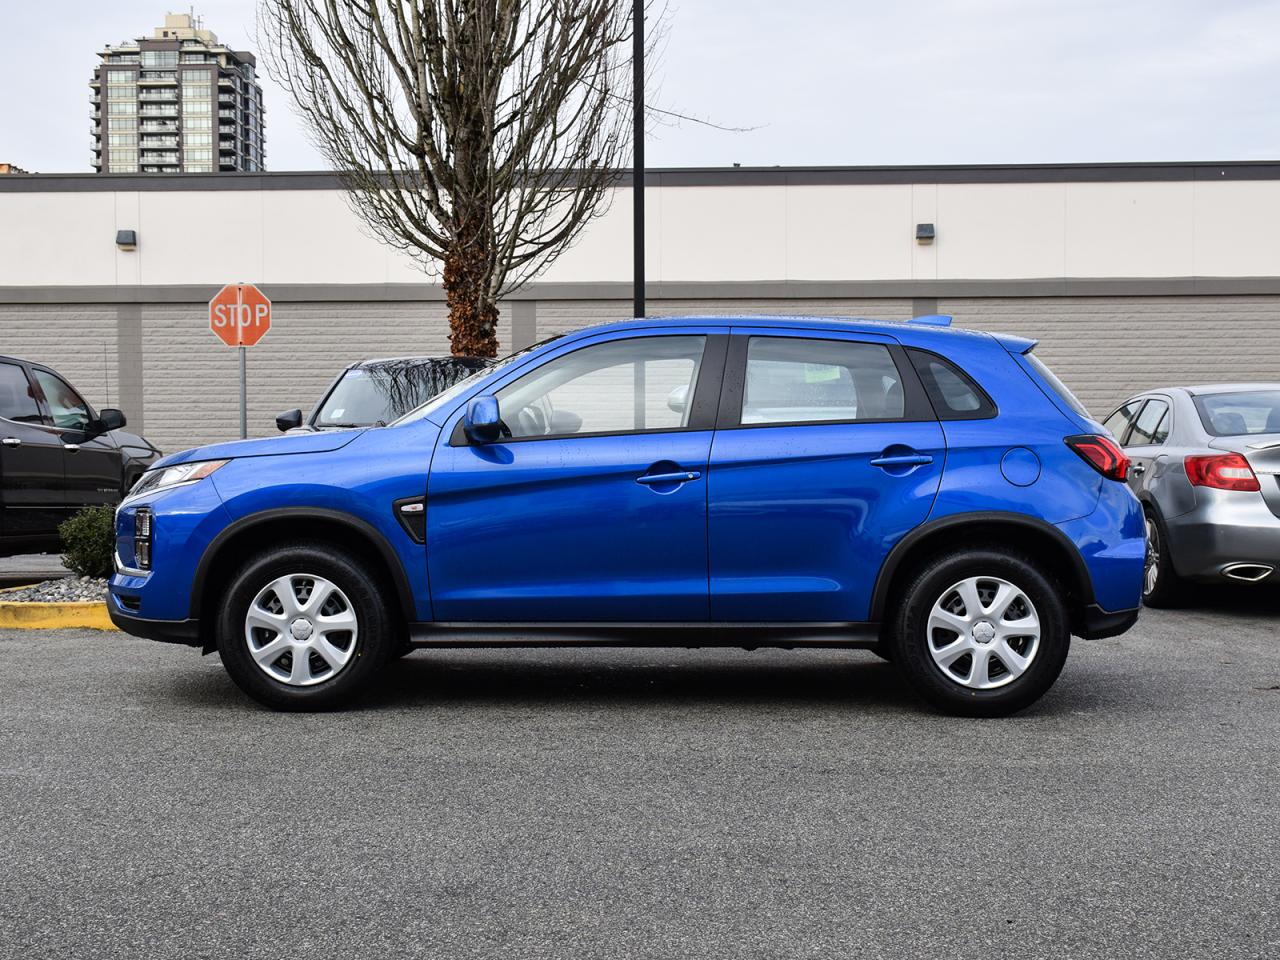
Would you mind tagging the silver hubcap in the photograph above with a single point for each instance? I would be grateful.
(301, 630)
(983, 633)
(1151, 571)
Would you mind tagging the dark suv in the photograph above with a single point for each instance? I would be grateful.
(57, 456)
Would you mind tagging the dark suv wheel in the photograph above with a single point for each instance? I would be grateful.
(304, 628)
(981, 632)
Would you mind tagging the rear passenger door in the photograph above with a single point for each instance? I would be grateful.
(826, 453)
(1144, 441)
(31, 484)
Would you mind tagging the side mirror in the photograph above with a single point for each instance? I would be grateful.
(289, 420)
(483, 421)
(678, 399)
(109, 418)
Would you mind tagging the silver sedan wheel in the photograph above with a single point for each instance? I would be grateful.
(1151, 571)
(983, 633)
(301, 630)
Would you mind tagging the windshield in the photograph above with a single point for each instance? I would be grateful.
(435, 402)
(1240, 414)
(378, 394)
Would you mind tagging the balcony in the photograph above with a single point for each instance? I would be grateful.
(158, 93)
(153, 142)
(162, 158)
(150, 110)
(159, 126)
(226, 114)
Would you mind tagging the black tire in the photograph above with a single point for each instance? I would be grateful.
(932, 583)
(374, 641)
(1164, 589)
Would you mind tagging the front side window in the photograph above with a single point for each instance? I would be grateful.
(622, 386)
(794, 380)
(1118, 422)
(1240, 414)
(17, 401)
(1151, 428)
(69, 411)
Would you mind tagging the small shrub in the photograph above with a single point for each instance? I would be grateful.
(89, 541)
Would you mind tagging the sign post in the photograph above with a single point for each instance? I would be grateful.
(240, 316)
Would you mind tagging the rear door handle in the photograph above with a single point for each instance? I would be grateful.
(71, 447)
(11, 442)
(903, 460)
(684, 476)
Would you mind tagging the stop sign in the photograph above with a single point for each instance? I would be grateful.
(239, 314)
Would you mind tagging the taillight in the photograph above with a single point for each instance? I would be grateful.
(1222, 471)
(1102, 454)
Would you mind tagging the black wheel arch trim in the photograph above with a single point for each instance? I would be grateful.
(880, 596)
(387, 552)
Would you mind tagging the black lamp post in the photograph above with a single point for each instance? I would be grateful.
(637, 170)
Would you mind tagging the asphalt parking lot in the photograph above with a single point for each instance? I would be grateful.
(646, 803)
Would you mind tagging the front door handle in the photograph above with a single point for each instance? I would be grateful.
(11, 442)
(71, 447)
(684, 476)
(903, 460)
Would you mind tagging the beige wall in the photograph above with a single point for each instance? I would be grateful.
(716, 233)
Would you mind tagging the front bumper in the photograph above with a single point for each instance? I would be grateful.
(185, 632)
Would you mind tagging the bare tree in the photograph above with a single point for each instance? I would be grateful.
(480, 136)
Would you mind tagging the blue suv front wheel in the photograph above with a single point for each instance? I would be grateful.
(304, 628)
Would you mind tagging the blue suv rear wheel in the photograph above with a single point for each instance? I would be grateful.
(981, 632)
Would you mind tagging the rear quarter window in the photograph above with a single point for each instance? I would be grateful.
(954, 394)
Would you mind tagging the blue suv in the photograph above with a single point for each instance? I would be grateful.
(936, 495)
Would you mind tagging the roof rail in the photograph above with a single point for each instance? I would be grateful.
(933, 320)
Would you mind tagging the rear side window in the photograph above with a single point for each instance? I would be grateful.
(17, 402)
(953, 393)
(1118, 422)
(1152, 426)
(1057, 386)
(795, 380)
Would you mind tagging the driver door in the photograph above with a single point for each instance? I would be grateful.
(594, 509)
(92, 465)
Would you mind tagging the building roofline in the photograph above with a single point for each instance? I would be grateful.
(701, 176)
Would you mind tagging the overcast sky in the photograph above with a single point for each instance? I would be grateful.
(823, 81)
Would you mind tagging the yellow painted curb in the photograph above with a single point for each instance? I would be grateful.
(79, 614)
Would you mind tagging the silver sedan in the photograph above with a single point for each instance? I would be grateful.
(1206, 466)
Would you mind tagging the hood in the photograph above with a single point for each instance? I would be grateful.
(266, 447)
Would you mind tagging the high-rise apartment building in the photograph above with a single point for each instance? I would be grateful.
(177, 102)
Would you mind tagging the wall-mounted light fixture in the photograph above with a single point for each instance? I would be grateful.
(925, 233)
(127, 239)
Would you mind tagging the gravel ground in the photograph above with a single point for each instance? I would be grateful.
(645, 803)
(59, 591)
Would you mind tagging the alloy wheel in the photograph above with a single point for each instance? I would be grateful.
(983, 633)
(1151, 563)
(301, 630)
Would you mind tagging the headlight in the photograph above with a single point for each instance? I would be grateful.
(181, 473)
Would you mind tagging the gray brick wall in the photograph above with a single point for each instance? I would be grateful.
(1103, 347)
(1107, 348)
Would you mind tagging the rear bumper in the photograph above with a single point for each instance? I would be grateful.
(185, 632)
(1227, 527)
(1098, 624)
